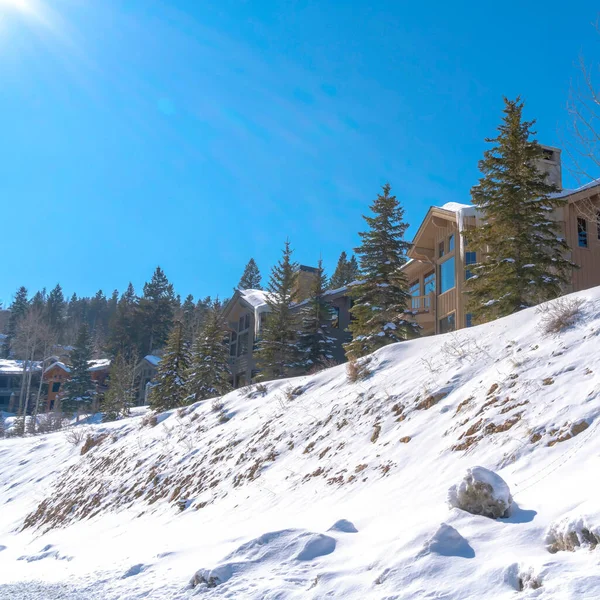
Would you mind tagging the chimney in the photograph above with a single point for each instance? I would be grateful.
(304, 281)
(551, 165)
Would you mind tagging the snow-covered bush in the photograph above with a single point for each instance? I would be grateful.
(358, 370)
(560, 314)
(571, 533)
(481, 492)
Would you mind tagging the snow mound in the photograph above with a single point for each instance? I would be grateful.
(344, 526)
(446, 541)
(280, 554)
(481, 492)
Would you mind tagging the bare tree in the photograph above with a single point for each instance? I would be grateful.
(33, 341)
(583, 147)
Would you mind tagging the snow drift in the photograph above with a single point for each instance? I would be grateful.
(337, 490)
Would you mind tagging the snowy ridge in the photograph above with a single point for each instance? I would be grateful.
(320, 488)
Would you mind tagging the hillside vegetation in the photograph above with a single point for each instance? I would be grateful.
(318, 487)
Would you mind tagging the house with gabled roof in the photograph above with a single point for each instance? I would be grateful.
(439, 258)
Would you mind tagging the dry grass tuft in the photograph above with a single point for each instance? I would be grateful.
(560, 315)
(358, 370)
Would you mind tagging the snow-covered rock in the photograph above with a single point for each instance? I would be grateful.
(481, 492)
(572, 532)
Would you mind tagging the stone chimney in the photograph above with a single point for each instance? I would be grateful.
(304, 281)
(551, 164)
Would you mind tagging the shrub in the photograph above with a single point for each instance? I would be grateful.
(217, 405)
(75, 435)
(358, 370)
(149, 420)
(322, 366)
(571, 533)
(560, 314)
(91, 441)
(481, 492)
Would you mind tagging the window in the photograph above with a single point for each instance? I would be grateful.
(548, 154)
(451, 242)
(243, 344)
(441, 250)
(233, 343)
(241, 324)
(468, 320)
(335, 317)
(429, 283)
(582, 232)
(414, 289)
(447, 279)
(470, 259)
(55, 387)
(447, 324)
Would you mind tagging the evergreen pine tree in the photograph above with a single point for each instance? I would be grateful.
(120, 395)
(314, 343)
(79, 391)
(345, 272)
(18, 309)
(339, 277)
(209, 373)
(353, 273)
(157, 308)
(381, 299)
(170, 390)
(277, 350)
(188, 312)
(123, 335)
(251, 277)
(55, 310)
(38, 302)
(521, 258)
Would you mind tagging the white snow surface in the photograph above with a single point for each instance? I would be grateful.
(334, 490)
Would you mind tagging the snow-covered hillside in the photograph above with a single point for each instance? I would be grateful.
(321, 488)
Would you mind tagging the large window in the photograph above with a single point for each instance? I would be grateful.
(447, 324)
(441, 250)
(232, 347)
(451, 242)
(470, 259)
(582, 232)
(429, 283)
(447, 278)
(55, 387)
(242, 344)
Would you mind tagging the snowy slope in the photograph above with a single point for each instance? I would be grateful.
(325, 489)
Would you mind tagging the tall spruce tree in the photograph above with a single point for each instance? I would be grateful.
(251, 277)
(277, 350)
(18, 310)
(339, 277)
(157, 308)
(381, 299)
(120, 395)
(79, 391)
(314, 343)
(55, 310)
(170, 390)
(123, 336)
(521, 256)
(209, 373)
(346, 271)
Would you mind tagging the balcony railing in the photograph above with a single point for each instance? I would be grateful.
(421, 304)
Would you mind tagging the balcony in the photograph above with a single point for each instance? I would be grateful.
(421, 304)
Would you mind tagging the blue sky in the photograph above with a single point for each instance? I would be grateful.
(195, 134)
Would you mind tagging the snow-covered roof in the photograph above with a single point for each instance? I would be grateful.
(60, 365)
(14, 367)
(152, 359)
(563, 193)
(255, 298)
(454, 206)
(99, 364)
